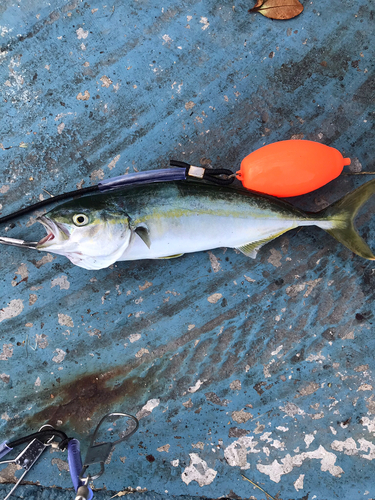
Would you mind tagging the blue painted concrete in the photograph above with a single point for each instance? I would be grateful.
(273, 377)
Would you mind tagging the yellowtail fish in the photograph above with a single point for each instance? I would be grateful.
(166, 220)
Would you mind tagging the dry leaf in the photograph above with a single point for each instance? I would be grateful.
(278, 9)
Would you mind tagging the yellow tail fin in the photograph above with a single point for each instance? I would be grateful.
(342, 214)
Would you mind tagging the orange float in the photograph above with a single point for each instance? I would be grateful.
(291, 168)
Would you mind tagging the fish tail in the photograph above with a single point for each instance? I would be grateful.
(342, 214)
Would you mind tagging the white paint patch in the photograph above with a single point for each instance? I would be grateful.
(276, 351)
(235, 385)
(294, 290)
(38, 382)
(167, 39)
(236, 453)
(60, 355)
(278, 469)
(81, 33)
(214, 262)
(44, 260)
(164, 448)
(96, 175)
(106, 83)
(275, 258)
(4, 189)
(41, 340)
(147, 408)
(247, 278)
(241, 416)
(198, 471)
(214, 298)
(370, 424)
(23, 272)
(197, 386)
(175, 463)
(315, 357)
(14, 308)
(365, 387)
(7, 352)
(5, 416)
(65, 320)
(299, 483)
(291, 409)
(266, 368)
(112, 163)
(60, 127)
(5, 378)
(61, 464)
(141, 352)
(349, 447)
(309, 438)
(205, 23)
(32, 299)
(134, 337)
(62, 282)
(198, 445)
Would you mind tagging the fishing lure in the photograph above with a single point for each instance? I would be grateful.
(166, 220)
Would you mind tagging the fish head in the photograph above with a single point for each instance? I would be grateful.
(92, 238)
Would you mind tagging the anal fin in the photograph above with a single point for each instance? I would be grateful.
(251, 249)
(171, 256)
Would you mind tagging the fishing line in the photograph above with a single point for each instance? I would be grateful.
(181, 172)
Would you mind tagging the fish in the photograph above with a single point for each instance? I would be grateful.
(167, 220)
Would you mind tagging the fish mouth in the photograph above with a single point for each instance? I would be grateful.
(54, 230)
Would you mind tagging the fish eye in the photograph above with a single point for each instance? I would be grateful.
(80, 219)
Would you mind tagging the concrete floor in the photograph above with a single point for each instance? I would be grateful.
(263, 367)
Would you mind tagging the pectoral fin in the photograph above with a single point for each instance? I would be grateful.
(143, 233)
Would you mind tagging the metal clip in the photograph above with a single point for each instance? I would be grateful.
(18, 243)
(98, 453)
(27, 458)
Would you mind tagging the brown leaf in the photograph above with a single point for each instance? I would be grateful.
(278, 9)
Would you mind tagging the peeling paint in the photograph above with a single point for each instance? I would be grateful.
(275, 258)
(65, 320)
(299, 483)
(44, 260)
(286, 464)
(164, 448)
(215, 264)
(214, 298)
(60, 355)
(141, 352)
(236, 453)
(62, 282)
(148, 408)
(196, 386)
(198, 471)
(14, 308)
(241, 416)
(112, 163)
(7, 352)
